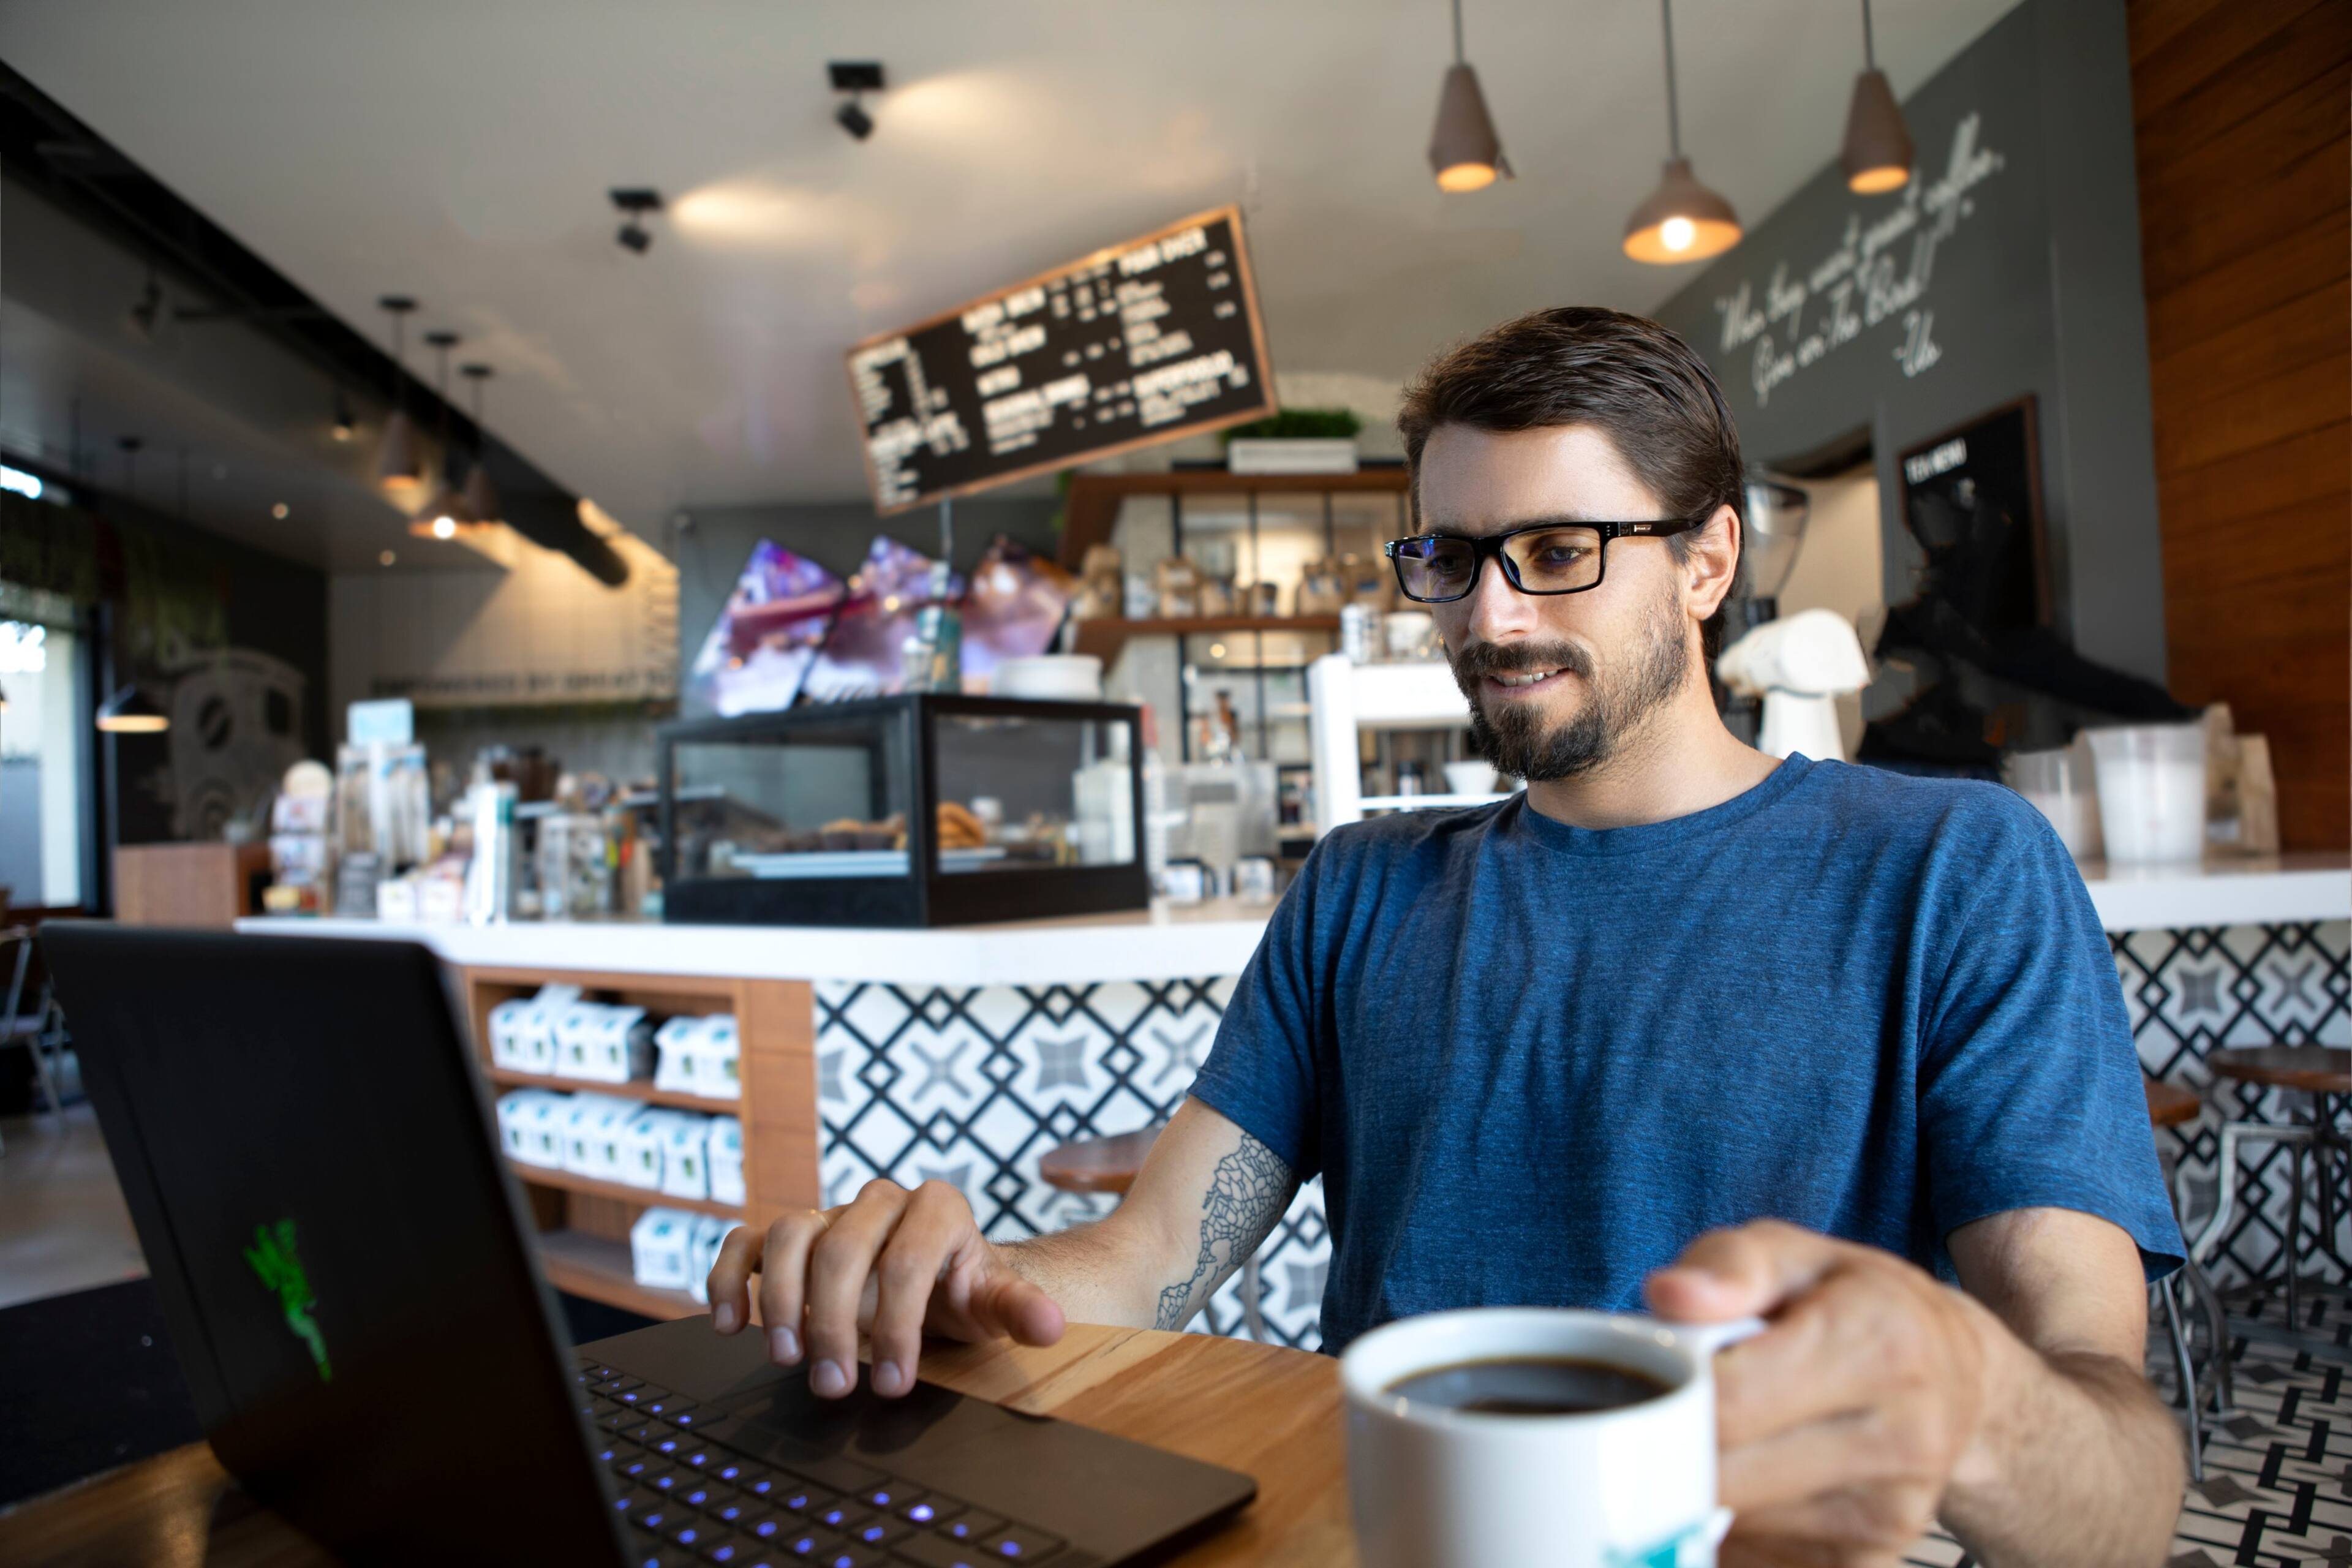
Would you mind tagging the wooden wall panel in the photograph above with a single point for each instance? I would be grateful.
(2243, 117)
(777, 1021)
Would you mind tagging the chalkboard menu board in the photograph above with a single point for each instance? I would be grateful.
(1137, 344)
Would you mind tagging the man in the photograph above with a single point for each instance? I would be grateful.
(1678, 1024)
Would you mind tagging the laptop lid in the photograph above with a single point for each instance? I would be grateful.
(312, 1171)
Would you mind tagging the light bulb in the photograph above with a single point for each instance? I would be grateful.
(444, 527)
(1677, 233)
(1467, 177)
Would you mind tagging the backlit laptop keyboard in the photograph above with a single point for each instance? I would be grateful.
(691, 1500)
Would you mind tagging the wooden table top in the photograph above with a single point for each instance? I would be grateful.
(1098, 1164)
(1268, 1412)
(2315, 1069)
(2169, 1104)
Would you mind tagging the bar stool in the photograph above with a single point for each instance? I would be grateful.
(2324, 1072)
(1111, 1165)
(2171, 1106)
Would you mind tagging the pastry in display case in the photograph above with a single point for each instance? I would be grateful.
(917, 810)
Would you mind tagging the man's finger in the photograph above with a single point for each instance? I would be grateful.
(840, 1263)
(935, 1221)
(1860, 1528)
(1005, 1303)
(1742, 1273)
(730, 1278)
(783, 1279)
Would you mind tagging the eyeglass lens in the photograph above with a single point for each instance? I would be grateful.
(1541, 561)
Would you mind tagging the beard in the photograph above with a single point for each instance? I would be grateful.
(1515, 737)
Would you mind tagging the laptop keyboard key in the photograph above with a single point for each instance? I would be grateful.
(707, 1494)
(974, 1527)
(694, 1533)
(882, 1531)
(1019, 1545)
(807, 1544)
(843, 1516)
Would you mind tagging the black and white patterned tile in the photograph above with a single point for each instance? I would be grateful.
(972, 1086)
(2195, 991)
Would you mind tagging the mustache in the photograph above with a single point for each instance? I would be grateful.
(1479, 659)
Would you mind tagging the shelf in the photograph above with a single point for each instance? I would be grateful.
(1094, 502)
(583, 1265)
(636, 1089)
(644, 1197)
(1103, 637)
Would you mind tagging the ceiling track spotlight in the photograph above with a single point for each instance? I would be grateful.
(1465, 152)
(636, 202)
(1683, 220)
(1877, 151)
(398, 462)
(856, 77)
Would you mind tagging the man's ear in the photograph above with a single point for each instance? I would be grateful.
(1712, 562)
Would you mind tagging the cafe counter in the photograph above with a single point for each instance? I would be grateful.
(963, 1054)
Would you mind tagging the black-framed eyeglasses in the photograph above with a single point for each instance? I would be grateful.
(1541, 558)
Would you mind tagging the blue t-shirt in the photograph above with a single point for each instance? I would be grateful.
(1533, 1062)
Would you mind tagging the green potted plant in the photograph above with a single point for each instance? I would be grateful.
(1295, 441)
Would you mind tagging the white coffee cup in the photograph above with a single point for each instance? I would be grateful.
(1632, 1487)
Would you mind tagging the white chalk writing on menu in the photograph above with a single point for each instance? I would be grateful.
(1795, 321)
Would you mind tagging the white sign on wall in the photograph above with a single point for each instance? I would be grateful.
(1802, 315)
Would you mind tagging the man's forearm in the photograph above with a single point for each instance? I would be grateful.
(2078, 1464)
(1098, 1273)
(1153, 1266)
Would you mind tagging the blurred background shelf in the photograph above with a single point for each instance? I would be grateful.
(591, 1266)
(643, 1197)
(636, 1089)
(1105, 637)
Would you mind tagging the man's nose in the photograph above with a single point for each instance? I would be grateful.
(1496, 611)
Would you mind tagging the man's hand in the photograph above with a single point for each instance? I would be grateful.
(1843, 1423)
(893, 1265)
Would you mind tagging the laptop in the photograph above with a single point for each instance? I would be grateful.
(349, 1282)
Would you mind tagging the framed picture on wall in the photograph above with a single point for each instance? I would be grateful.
(1972, 499)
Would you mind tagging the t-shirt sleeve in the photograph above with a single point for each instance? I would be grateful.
(2030, 1084)
(1261, 1073)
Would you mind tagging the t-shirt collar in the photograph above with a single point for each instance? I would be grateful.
(1644, 838)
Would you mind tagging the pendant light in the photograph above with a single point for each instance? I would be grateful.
(1877, 154)
(446, 512)
(1683, 220)
(130, 711)
(398, 462)
(480, 496)
(1464, 153)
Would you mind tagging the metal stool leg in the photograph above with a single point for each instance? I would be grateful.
(2295, 1241)
(1252, 1315)
(2225, 1195)
(2217, 1331)
(2190, 1398)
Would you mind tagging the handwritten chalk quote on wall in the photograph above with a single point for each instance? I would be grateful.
(1803, 320)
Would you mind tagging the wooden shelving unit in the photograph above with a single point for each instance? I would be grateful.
(584, 1222)
(1105, 637)
(636, 1089)
(598, 1267)
(1095, 498)
(641, 1197)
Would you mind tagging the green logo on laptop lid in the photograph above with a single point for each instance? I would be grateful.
(279, 1271)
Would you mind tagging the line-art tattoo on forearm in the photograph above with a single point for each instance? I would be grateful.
(1246, 1198)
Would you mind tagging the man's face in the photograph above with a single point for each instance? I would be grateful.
(1556, 682)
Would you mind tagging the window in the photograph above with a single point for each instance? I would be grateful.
(44, 756)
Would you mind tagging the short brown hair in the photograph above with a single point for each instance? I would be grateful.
(1579, 364)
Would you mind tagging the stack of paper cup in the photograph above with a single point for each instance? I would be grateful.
(2151, 790)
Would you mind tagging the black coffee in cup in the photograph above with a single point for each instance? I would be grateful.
(1529, 1386)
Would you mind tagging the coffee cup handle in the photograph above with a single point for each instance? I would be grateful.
(1705, 1339)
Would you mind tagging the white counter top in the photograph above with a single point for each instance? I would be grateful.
(1199, 940)
(1193, 942)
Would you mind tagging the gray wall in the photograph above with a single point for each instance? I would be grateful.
(710, 545)
(2021, 269)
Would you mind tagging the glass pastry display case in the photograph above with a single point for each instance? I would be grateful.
(919, 810)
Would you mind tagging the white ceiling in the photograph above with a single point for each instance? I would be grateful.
(461, 153)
